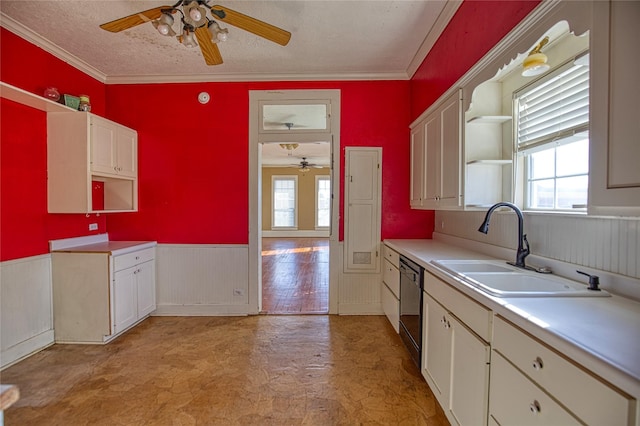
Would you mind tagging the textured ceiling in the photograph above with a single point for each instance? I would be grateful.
(330, 39)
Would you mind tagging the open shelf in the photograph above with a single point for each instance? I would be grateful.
(493, 119)
(489, 162)
(29, 99)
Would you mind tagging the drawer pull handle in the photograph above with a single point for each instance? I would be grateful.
(137, 257)
(534, 407)
(537, 364)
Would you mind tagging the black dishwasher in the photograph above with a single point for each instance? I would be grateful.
(411, 307)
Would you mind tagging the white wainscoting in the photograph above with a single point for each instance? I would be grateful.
(26, 308)
(610, 244)
(202, 279)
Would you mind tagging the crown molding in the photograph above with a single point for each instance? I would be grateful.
(517, 34)
(445, 16)
(37, 40)
(226, 78)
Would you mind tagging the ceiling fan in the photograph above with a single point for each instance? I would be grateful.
(305, 166)
(194, 20)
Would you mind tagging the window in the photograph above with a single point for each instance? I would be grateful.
(552, 131)
(323, 202)
(285, 214)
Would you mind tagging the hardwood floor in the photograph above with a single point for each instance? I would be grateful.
(256, 370)
(295, 275)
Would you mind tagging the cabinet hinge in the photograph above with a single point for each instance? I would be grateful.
(376, 253)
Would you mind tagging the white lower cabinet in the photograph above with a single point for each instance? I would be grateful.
(532, 384)
(455, 359)
(391, 287)
(98, 295)
(515, 400)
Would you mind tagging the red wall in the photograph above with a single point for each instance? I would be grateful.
(193, 158)
(476, 27)
(25, 225)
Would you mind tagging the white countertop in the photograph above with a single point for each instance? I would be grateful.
(600, 333)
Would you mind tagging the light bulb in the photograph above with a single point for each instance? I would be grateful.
(163, 29)
(222, 36)
(195, 14)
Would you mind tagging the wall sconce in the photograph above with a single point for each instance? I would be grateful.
(536, 62)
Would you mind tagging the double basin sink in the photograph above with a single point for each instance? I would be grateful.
(500, 279)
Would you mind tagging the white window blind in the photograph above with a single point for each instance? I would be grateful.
(556, 108)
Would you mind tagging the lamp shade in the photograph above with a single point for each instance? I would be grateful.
(534, 64)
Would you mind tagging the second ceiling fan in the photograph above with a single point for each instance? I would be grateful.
(194, 20)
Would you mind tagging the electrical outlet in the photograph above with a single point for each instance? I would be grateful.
(238, 292)
(93, 227)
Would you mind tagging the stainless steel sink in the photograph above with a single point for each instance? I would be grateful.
(502, 280)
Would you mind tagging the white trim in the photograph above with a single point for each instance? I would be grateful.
(26, 348)
(318, 178)
(201, 310)
(41, 42)
(361, 309)
(319, 233)
(449, 10)
(521, 34)
(255, 181)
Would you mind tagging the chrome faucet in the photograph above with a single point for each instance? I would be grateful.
(523, 244)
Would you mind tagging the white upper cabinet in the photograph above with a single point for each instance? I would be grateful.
(91, 164)
(435, 156)
(113, 148)
(614, 184)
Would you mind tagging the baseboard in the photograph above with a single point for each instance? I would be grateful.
(360, 309)
(25, 349)
(201, 310)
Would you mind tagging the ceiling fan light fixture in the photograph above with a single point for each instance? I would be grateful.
(218, 34)
(536, 62)
(163, 24)
(194, 14)
(304, 169)
(187, 38)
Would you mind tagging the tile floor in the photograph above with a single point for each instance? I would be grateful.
(256, 370)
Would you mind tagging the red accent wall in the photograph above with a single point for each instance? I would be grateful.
(476, 27)
(25, 225)
(193, 158)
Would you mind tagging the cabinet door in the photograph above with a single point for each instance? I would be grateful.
(469, 376)
(450, 125)
(614, 175)
(417, 165)
(103, 146)
(362, 220)
(437, 350)
(431, 174)
(125, 299)
(146, 287)
(127, 152)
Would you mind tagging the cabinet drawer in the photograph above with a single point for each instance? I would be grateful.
(472, 314)
(391, 307)
(391, 277)
(392, 256)
(589, 398)
(130, 259)
(515, 400)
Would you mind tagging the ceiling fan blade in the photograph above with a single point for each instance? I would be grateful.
(255, 26)
(133, 20)
(209, 49)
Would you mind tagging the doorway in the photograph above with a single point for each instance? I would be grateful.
(307, 257)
